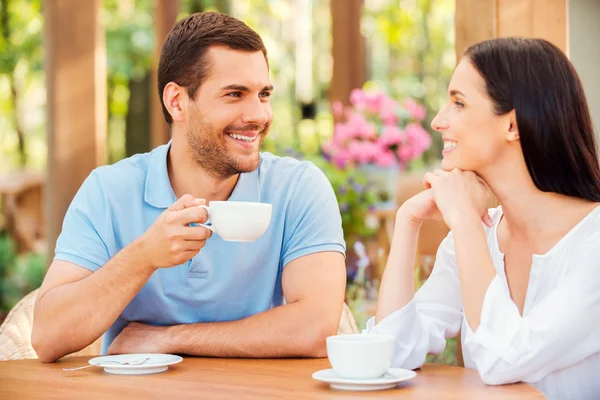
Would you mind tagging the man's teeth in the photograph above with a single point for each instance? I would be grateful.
(449, 145)
(241, 137)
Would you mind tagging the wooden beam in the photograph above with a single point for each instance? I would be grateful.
(348, 49)
(477, 20)
(165, 15)
(474, 22)
(545, 19)
(75, 64)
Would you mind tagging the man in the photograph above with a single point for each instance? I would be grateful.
(131, 262)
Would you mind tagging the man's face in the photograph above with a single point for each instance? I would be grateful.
(231, 113)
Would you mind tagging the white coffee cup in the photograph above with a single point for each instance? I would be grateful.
(238, 221)
(360, 356)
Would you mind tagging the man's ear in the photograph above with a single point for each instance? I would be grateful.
(175, 100)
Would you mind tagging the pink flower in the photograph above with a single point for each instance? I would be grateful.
(338, 109)
(359, 127)
(389, 118)
(374, 102)
(391, 135)
(362, 152)
(358, 98)
(406, 153)
(371, 149)
(329, 148)
(385, 159)
(415, 110)
(341, 133)
(418, 137)
(341, 158)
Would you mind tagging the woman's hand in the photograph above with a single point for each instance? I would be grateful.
(420, 207)
(459, 196)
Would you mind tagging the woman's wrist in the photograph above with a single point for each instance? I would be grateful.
(405, 219)
(465, 220)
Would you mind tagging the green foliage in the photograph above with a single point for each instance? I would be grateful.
(356, 195)
(21, 78)
(19, 274)
(20, 35)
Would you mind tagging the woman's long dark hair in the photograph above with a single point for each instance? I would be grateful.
(535, 78)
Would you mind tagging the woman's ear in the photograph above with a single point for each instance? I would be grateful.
(512, 133)
(174, 98)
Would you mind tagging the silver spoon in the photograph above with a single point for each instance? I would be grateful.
(138, 362)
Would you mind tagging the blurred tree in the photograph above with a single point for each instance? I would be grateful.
(129, 41)
(20, 58)
(222, 6)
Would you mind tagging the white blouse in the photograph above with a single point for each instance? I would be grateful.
(554, 345)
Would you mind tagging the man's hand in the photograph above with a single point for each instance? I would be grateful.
(171, 241)
(141, 338)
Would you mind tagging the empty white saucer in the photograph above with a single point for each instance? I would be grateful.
(142, 363)
(389, 380)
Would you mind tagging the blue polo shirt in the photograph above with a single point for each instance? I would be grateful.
(227, 280)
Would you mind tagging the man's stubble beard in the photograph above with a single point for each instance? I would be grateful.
(209, 152)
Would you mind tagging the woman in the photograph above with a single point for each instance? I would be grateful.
(524, 286)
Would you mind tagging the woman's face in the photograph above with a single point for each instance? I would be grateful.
(474, 137)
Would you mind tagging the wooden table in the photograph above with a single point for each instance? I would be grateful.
(213, 378)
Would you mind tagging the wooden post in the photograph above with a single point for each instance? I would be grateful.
(348, 49)
(545, 19)
(474, 21)
(75, 63)
(165, 15)
(478, 20)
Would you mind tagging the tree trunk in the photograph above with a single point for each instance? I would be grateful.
(137, 123)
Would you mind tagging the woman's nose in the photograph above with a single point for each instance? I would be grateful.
(439, 123)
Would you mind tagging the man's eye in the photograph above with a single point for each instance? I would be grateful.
(265, 94)
(234, 94)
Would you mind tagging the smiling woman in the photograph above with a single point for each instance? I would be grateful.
(525, 287)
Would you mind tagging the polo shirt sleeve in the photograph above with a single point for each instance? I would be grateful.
(313, 222)
(82, 240)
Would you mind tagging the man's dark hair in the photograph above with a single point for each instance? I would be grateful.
(183, 57)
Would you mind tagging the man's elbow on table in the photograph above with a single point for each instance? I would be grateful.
(314, 335)
(49, 344)
(43, 346)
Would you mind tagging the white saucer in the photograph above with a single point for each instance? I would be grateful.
(156, 363)
(391, 378)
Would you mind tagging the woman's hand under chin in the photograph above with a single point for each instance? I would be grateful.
(460, 196)
(420, 208)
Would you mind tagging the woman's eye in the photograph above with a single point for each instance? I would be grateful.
(458, 104)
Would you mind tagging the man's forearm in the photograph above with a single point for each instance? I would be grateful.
(71, 316)
(292, 330)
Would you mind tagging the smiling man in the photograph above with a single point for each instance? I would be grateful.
(131, 264)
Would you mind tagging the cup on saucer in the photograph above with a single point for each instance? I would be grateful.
(360, 356)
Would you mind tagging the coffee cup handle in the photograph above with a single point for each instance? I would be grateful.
(209, 227)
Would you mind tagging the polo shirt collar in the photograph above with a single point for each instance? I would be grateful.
(159, 192)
